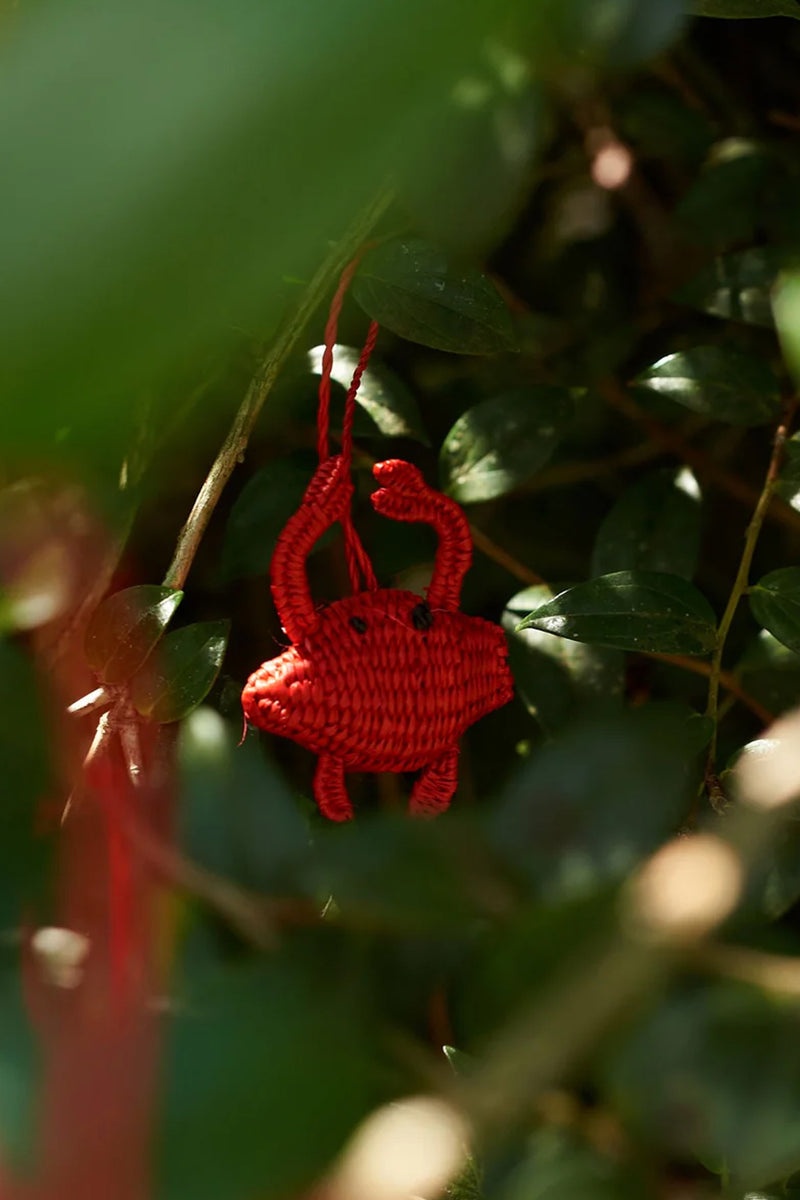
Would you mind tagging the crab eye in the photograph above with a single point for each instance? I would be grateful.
(421, 616)
(359, 624)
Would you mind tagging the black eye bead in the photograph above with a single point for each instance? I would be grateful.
(421, 616)
(359, 624)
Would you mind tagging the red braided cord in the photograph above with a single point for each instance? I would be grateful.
(359, 567)
(323, 413)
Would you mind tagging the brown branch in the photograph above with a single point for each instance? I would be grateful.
(728, 680)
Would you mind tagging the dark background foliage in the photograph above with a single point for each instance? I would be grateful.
(584, 228)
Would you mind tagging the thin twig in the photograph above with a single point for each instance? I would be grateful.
(484, 543)
(740, 583)
(727, 679)
(235, 443)
(777, 509)
(776, 973)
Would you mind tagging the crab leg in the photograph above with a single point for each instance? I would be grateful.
(326, 500)
(330, 790)
(405, 496)
(435, 785)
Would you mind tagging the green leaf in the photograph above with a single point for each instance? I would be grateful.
(631, 610)
(387, 407)
(125, 628)
(573, 817)
(558, 1166)
(742, 9)
(411, 288)
(788, 483)
(265, 1076)
(19, 1068)
(28, 782)
(775, 604)
(174, 165)
(552, 675)
(786, 306)
(181, 673)
(504, 441)
(467, 188)
(713, 1072)
(655, 525)
(723, 384)
(736, 286)
(260, 511)
(235, 815)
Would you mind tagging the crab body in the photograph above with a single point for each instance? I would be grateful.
(382, 680)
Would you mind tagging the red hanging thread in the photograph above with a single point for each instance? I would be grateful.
(382, 680)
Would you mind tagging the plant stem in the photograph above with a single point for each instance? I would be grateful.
(235, 444)
(742, 579)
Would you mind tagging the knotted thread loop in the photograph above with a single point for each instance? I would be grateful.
(359, 566)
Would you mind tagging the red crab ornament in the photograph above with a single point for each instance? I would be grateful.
(382, 680)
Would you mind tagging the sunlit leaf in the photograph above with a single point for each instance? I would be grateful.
(182, 671)
(552, 675)
(631, 610)
(125, 628)
(504, 441)
(655, 525)
(775, 603)
(720, 383)
(412, 288)
(387, 406)
(786, 305)
(737, 286)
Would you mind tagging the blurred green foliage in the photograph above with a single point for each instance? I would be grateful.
(582, 240)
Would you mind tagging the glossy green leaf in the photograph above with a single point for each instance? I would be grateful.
(717, 382)
(180, 675)
(386, 407)
(775, 604)
(554, 676)
(788, 482)
(655, 525)
(631, 610)
(125, 628)
(411, 288)
(713, 1073)
(742, 9)
(786, 306)
(736, 286)
(260, 511)
(503, 442)
(246, 1055)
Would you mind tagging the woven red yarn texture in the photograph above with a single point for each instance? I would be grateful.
(382, 680)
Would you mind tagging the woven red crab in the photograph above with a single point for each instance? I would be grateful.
(382, 680)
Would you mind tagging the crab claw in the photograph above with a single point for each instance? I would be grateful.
(402, 491)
